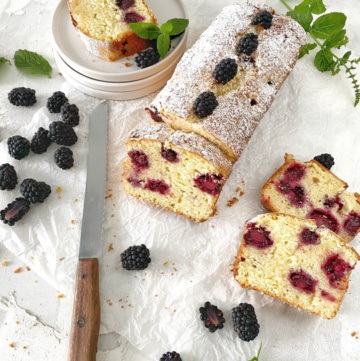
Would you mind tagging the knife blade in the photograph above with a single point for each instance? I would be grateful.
(85, 322)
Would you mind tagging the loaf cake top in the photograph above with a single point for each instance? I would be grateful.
(260, 76)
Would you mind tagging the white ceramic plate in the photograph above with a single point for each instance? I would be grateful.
(74, 53)
(116, 87)
(102, 94)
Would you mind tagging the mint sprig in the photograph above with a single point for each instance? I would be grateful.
(4, 60)
(328, 34)
(256, 358)
(32, 63)
(161, 34)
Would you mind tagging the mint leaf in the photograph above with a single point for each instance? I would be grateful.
(32, 63)
(178, 26)
(163, 44)
(306, 49)
(4, 60)
(328, 24)
(302, 7)
(324, 60)
(145, 30)
(345, 58)
(317, 7)
(337, 40)
(303, 18)
(166, 27)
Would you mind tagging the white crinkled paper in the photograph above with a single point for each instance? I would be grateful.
(157, 309)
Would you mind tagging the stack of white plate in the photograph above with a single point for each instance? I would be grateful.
(121, 79)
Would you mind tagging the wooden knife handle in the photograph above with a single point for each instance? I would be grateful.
(85, 322)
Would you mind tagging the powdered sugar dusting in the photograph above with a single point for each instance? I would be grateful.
(197, 144)
(235, 119)
(154, 131)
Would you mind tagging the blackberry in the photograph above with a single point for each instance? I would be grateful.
(8, 177)
(248, 44)
(212, 317)
(135, 258)
(326, 160)
(147, 58)
(125, 4)
(70, 114)
(56, 101)
(14, 211)
(62, 133)
(170, 356)
(205, 104)
(63, 157)
(33, 191)
(18, 146)
(22, 96)
(264, 18)
(225, 70)
(245, 322)
(40, 141)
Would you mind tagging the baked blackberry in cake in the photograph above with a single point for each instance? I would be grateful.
(310, 190)
(263, 49)
(181, 172)
(104, 26)
(295, 261)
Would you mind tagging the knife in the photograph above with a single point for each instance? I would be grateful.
(85, 322)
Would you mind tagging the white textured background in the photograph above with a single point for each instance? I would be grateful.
(157, 310)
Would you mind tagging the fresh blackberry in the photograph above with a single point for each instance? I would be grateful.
(18, 146)
(212, 317)
(70, 114)
(40, 141)
(8, 177)
(245, 322)
(33, 191)
(63, 157)
(14, 211)
(205, 104)
(56, 101)
(147, 58)
(170, 356)
(135, 258)
(248, 44)
(62, 133)
(225, 70)
(326, 160)
(22, 96)
(264, 18)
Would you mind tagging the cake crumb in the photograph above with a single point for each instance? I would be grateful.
(28, 268)
(59, 191)
(109, 195)
(12, 344)
(5, 263)
(109, 302)
(166, 264)
(60, 295)
(353, 334)
(17, 322)
(76, 200)
(110, 248)
(18, 270)
(240, 191)
(127, 64)
(73, 221)
(232, 201)
(24, 347)
(61, 258)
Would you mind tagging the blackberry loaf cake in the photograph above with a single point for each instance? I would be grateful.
(181, 172)
(225, 83)
(103, 26)
(294, 260)
(309, 190)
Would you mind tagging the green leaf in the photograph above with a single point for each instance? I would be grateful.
(256, 358)
(345, 58)
(3, 60)
(306, 49)
(328, 24)
(302, 7)
(166, 27)
(32, 63)
(303, 18)
(324, 60)
(179, 25)
(145, 30)
(317, 7)
(163, 44)
(337, 40)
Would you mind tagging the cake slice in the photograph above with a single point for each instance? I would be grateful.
(103, 26)
(181, 172)
(224, 84)
(294, 260)
(309, 190)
